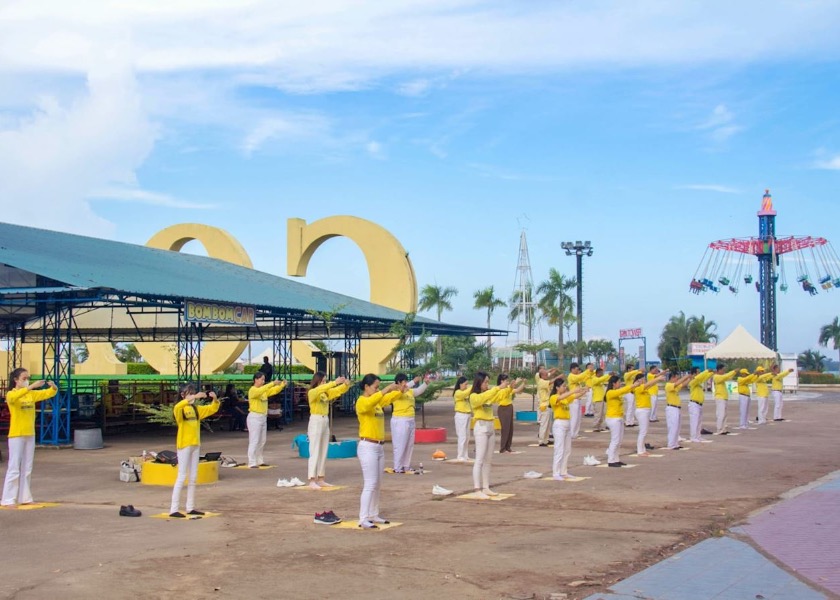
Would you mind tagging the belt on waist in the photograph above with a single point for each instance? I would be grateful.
(485, 420)
(679, 407)
(695, 402)
(364, 439)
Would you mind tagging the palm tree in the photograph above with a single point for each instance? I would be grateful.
(486, 299)
(831, 333)
(437, 297)
(812, 360)
(601, 349)
(555, 302)
(521, 298)
(680, 331)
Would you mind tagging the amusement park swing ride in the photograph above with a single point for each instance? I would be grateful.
(726, 263)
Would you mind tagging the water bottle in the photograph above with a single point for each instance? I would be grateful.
(420, 468)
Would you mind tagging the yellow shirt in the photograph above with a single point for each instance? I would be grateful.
(762, 390)
(695, 387)
(630, 375)
(321, 396)
(188, 417)
(506, 397)
(258, 396)
(370, 414)
(482, 403)
(21, 403)
(462, 401)
(543, 391)
(776, 386)
(654, 389)
(744, 384)
(615, 402)
(672, 394)
(642, 397)
(576, 380)
(560, 406)
(598, 389)
(721, 393)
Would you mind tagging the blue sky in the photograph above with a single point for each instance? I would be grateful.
(650, 128)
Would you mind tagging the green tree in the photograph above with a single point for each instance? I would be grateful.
(533, 349)
(520, 301)
(486, 300)
(127, 353)
(555, 302)
(831, 333)
(436, 297)
(812, 360)
(679, 332)
(601, 350)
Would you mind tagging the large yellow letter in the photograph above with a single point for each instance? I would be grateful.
(392, 280)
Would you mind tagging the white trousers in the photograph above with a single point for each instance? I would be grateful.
(562, 446)
(695, 417)
(672, 422)
(643, 417)
(372, 459)
(256, 438)
(19, 470)
(318, 433)
(777, 404)
(588, 398)
(462, 430)
(187, 470)
(402, 439)
(654, 400)
(720, 414)
(629, 409)
(485, 442)
(745, 411)
(574, 412)
(762, 410)
(544, 419)
(616, 427)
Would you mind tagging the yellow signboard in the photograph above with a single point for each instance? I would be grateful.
(210, 312)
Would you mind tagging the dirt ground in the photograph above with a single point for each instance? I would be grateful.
(549, 538)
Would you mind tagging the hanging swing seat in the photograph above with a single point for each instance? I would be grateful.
(748, 278)
(723, 281)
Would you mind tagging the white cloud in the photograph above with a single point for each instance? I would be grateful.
(709, 187)
(145, 197)
(720, 125)
(285, 128)
(375, 149)
(417, 87)
(831, 163)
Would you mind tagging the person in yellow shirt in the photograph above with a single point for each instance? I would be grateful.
(598, 392)
(673, 408)
(21, 401)
(482, 399)
(370, 449)
(653, 373)
(188, 417)
(777, 386)
(543, 382)
(643, 403)
(258, 397)
(402, 420)
(721, 397)
(762, 392)
(589, 404)
(463, 414)
(630, 399)
(744, 382)
(505, 412)
(561, 400)
(697, 394)
(320, 395)
(577, 379)
(615, 399)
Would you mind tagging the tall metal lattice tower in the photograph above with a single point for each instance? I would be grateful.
(523, 295)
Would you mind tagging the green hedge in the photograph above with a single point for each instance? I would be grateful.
(811, 377)
(140, 369)
(296, 369)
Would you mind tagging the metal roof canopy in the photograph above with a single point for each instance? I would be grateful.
(145, 290)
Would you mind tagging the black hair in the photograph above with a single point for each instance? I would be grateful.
(317, 378)
(13, 376)
(695, 370)
(574, 366)
(185, 390)
(368, 379)
(265, 359)
(611, 382)
(501, 378)
(461, 381)
(557, 383)
(673, 375)
(590, 365)
(599, 371)
(719, 366)
(259, 375)
(638, 377)
(479, 378)
(400, 377)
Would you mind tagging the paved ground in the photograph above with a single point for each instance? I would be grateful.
(549, 538)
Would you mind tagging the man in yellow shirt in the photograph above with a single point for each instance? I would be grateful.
(630, 399)
(777, 386)
(543, 383)
(598, 393)
(642, 395)
(762, 392)
(258, 397)
(721, 397)
(577, 380)
(744, 382)
(589, 405)
(673, 408)
(695, 406)
(652, 374)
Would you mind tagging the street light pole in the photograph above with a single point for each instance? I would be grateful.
(579, 250)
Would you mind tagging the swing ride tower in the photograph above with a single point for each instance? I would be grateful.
(809, 255)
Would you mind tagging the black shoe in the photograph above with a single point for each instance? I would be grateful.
(543, 445)
(196, 513)
(622, 464)
(778, 419)
(724, 433)
(129, 511)
(679, 448)
(650, 447)
(264, 465)
(705, 432)
(177, 515)
(616, 464)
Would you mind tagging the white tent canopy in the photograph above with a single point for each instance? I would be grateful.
(740, 344)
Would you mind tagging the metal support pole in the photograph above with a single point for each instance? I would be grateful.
(579, 304)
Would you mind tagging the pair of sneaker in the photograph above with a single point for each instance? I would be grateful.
(293, 482)
(438, 490)
(327, 518)
(590, 461)
(193, 514)
(485, 494)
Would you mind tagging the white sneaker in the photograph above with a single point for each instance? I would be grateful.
(314, 485)
(481, 496)
(296, 482)
(532, 475)
(284, 483)
(440, 491)
(590, 461)
(489, 492)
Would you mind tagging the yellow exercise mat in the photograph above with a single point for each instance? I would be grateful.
(355, 525)
(331, 488)
(538, 446)
(32, 506)
(683, 449)
(593, 431)
(472, 496)
(605, 465)
(728, 433)
(648, 456)
(565, 479)
(391, 471)
(455, 461)
(257, 468)
(166, 516)
(511, 452)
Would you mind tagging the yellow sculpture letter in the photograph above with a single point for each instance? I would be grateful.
(392, 280)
